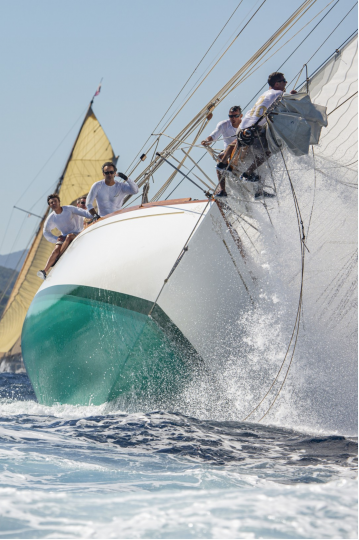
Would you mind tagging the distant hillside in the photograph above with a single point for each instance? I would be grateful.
(5, 275)
(11, 260)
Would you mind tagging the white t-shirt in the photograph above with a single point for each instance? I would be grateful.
(227, 131)
(261, 106)
(110, 198)
(69, 221)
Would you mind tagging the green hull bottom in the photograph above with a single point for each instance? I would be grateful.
(85, 346)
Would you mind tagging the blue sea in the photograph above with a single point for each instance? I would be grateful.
(102, 472)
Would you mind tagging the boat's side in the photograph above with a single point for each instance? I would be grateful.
(87, 337)
(84, 345)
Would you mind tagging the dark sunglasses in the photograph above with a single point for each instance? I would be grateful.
(82, 202)
(282, 80)
(109, 172)
(234, 115)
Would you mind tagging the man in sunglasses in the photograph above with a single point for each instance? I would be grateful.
(228, 129)
(277, 84)
(69, 221)
(81, 203)
(109, 193)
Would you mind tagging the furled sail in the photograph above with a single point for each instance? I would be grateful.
(83, 168)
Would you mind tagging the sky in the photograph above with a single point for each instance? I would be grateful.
(54, 55)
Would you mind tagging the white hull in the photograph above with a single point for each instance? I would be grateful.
(233, 295)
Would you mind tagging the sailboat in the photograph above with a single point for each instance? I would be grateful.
(155, 296)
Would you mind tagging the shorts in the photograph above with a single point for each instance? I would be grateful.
(61, 239)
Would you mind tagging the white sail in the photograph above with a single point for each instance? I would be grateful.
(321, 384)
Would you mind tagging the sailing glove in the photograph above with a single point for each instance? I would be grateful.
(121, 175)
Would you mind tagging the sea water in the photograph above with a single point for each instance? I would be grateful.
(102, 472)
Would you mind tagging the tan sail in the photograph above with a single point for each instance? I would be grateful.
(83, 168)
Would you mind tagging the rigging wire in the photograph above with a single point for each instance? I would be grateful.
(233, 84)
(11, 250)
(214, 60)
(183, 178)
(47, 161)
(193, 72)
(307, 62)
(237, 36)
(253, 69)
(338, 49)
(200, 62)
(291, 54)
(7, 227)
(228, 91)
(219, 96)
(31, 183)
(168, 124)
(345, 16)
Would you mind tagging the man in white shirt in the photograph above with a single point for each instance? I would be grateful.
(228, 129)
(69, 221)
(81, 203)
(109, 193)
(258, 140)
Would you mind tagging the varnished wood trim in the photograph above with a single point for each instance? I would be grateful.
(148, 205)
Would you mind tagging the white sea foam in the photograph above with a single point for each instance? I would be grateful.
(265, 511)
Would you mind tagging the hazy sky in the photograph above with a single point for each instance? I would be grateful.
(55, 53)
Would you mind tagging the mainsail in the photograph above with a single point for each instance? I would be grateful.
(83, 168)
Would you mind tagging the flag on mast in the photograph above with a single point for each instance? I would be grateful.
(98, 89)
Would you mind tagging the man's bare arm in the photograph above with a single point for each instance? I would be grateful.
(207, 141)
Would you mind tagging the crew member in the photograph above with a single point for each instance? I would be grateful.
(81, 203)
(68, 220)
(109, 193)
(228, 129)
(277, 84)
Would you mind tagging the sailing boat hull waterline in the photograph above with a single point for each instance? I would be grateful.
(88, 337)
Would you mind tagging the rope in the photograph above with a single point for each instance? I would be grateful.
(173, 175)
(193, 72)
(220, 58)
(180, 140)
(183, 178)
(351, 9)
(335, 52)
(291, 54)
(7, 227)
(47, 161)
(208, 75)
(355, 93)
(275, 52)
(228, 87)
